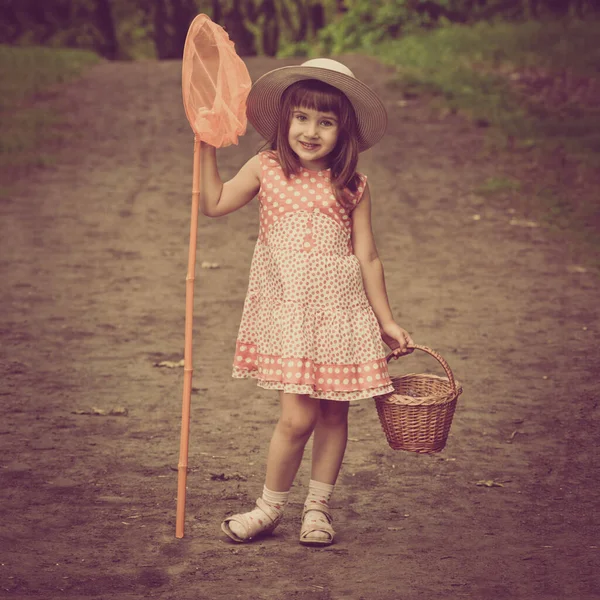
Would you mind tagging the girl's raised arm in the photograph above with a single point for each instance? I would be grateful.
(218, 198)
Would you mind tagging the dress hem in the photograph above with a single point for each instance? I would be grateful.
(342, 396)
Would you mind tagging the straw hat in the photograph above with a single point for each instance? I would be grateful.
(265, 98)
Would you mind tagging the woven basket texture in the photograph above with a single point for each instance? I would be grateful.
(418, 414)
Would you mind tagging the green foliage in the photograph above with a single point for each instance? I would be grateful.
(535, 81)
(25, 73)
(366, 23)
(499, 184)
(537, 85)
(298, 49)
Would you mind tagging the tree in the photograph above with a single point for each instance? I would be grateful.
(107, 45)
(233, 21)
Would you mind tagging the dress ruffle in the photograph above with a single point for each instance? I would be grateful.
(308, 390)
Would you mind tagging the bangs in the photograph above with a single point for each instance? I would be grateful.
(316, 95)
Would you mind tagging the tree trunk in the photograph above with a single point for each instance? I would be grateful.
(183, 14)
(161, 36)
(108, 46)
(299, 32)
(271, 28)
(316, 17)
(217, 13)
(243, 39)
(12, 27)
(303, 25)
(559, 8)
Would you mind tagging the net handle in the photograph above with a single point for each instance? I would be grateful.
(435, 355)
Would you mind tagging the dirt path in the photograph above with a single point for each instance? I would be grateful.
(93, 257)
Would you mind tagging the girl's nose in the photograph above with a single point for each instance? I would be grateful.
(311, 130)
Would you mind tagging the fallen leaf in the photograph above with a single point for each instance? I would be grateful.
(523, 223)
(227, 477)
(489, 483)
(210, 265)
(169, 364)
(211, 455)
(118, 411)
(576, 269)
(476, 217)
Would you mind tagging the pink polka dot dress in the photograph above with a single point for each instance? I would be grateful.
(307, 326)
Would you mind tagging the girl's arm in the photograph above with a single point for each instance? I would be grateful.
(216, 198)
(365, 251)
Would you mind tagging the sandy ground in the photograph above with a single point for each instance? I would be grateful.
(93, 254)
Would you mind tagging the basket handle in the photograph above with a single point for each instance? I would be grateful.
(435, 355)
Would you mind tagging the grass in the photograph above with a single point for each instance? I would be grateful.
(498, 184)
(25, 73)
(535, 81)
(536, 85)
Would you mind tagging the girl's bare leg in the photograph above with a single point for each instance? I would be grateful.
(329, 443)
(329, 446)
(298, 417)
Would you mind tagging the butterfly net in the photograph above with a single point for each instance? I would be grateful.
(215, 84)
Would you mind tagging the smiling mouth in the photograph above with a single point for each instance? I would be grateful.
(309, 146)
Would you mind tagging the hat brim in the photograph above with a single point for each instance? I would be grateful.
(264, 101)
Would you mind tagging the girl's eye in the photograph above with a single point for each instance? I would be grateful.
(326, 123)
(300, 117)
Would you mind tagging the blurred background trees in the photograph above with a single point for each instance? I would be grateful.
(126, 29)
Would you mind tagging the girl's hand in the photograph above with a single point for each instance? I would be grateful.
(397, 339)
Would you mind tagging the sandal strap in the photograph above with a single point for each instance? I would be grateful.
(272, 514)
(253, 527)
(309, 528)
(318, 507)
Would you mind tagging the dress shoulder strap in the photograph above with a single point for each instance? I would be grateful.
(357, 196)
(268, 158)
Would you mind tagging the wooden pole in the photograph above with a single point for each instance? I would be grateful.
(182, 467)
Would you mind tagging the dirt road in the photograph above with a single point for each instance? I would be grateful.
(93, 257)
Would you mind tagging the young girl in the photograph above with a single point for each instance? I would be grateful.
(316, 310)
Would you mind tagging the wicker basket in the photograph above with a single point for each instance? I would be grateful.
(417, 415)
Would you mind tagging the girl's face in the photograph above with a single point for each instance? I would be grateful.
(312, 136)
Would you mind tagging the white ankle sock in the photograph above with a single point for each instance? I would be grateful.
(277, 500)
(319, 492)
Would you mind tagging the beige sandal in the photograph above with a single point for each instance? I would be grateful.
(311, 525)
(254, 527)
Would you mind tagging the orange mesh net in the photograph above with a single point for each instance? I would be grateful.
(215, 84)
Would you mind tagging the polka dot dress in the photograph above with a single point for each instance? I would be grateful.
(307, 326)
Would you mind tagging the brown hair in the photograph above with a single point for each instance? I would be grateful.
(317, 95)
